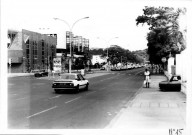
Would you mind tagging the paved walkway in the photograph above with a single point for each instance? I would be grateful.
(152, 109)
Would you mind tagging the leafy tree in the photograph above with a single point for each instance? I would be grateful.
(164, 36)
(98, 51)
(117, 53)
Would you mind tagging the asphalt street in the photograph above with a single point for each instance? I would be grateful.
(33, 104)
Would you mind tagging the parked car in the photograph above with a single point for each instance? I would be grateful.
(102, 68)
(173, 84)
(70, 81)
(40, 73)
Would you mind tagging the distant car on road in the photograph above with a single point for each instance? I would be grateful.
(40, 73)
(70, 81)
(102, 68)
(173, 84)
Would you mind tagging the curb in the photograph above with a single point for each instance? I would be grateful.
(126, 106)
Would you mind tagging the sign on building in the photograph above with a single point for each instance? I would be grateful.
(57, 65)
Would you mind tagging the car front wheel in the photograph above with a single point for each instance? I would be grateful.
(57, 91)
(77, 89)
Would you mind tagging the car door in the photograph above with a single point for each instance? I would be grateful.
(82, 81)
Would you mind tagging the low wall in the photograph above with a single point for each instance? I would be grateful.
(183, 84)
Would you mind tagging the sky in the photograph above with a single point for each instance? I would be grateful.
(107, 19)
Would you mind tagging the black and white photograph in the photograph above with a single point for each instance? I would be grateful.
(96, 67)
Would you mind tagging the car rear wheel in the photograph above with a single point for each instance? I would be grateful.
(87, 86)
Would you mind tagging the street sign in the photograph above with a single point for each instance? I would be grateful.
(163, 59)
(57, 64)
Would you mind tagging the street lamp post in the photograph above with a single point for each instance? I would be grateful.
(71, 37)
(107, 42)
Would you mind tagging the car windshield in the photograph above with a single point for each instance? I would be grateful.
(73, 77)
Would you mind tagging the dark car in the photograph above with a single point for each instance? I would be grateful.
(102, 68)
(40, 73)
(173, 84)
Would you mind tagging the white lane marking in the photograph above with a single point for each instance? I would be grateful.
(55, 97)
(21, 98)
(103, 88)
(38, 83)
(90, 93)
(109, 78)
(139, 72)
(13, 94)
(41, 112)
(72, 100)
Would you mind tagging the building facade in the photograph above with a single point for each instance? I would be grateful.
(79, 49)
(29, 50)
(79, 45)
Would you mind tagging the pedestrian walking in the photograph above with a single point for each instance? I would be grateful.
(147, 77)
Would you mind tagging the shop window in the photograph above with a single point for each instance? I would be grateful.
(27, 42)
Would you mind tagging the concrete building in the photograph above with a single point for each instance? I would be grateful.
(79, 44)
(79, 48)
(29, 50)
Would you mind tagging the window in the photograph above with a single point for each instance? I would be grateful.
(27, 42)
(43, 45)
(27, 46)
(81, 77)
(68, 40)
(8, 45)
(65, 76)
(35, 51)
(27, 51)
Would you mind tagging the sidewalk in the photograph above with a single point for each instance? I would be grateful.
(152, 109)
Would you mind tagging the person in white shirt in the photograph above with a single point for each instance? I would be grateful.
(147, 74)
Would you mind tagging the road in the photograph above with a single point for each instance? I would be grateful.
(32, 103)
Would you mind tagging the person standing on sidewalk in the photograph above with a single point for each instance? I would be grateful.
(147, 77)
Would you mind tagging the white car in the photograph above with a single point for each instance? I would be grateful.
(70, 81)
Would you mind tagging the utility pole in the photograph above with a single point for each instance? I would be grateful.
(71, 37)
